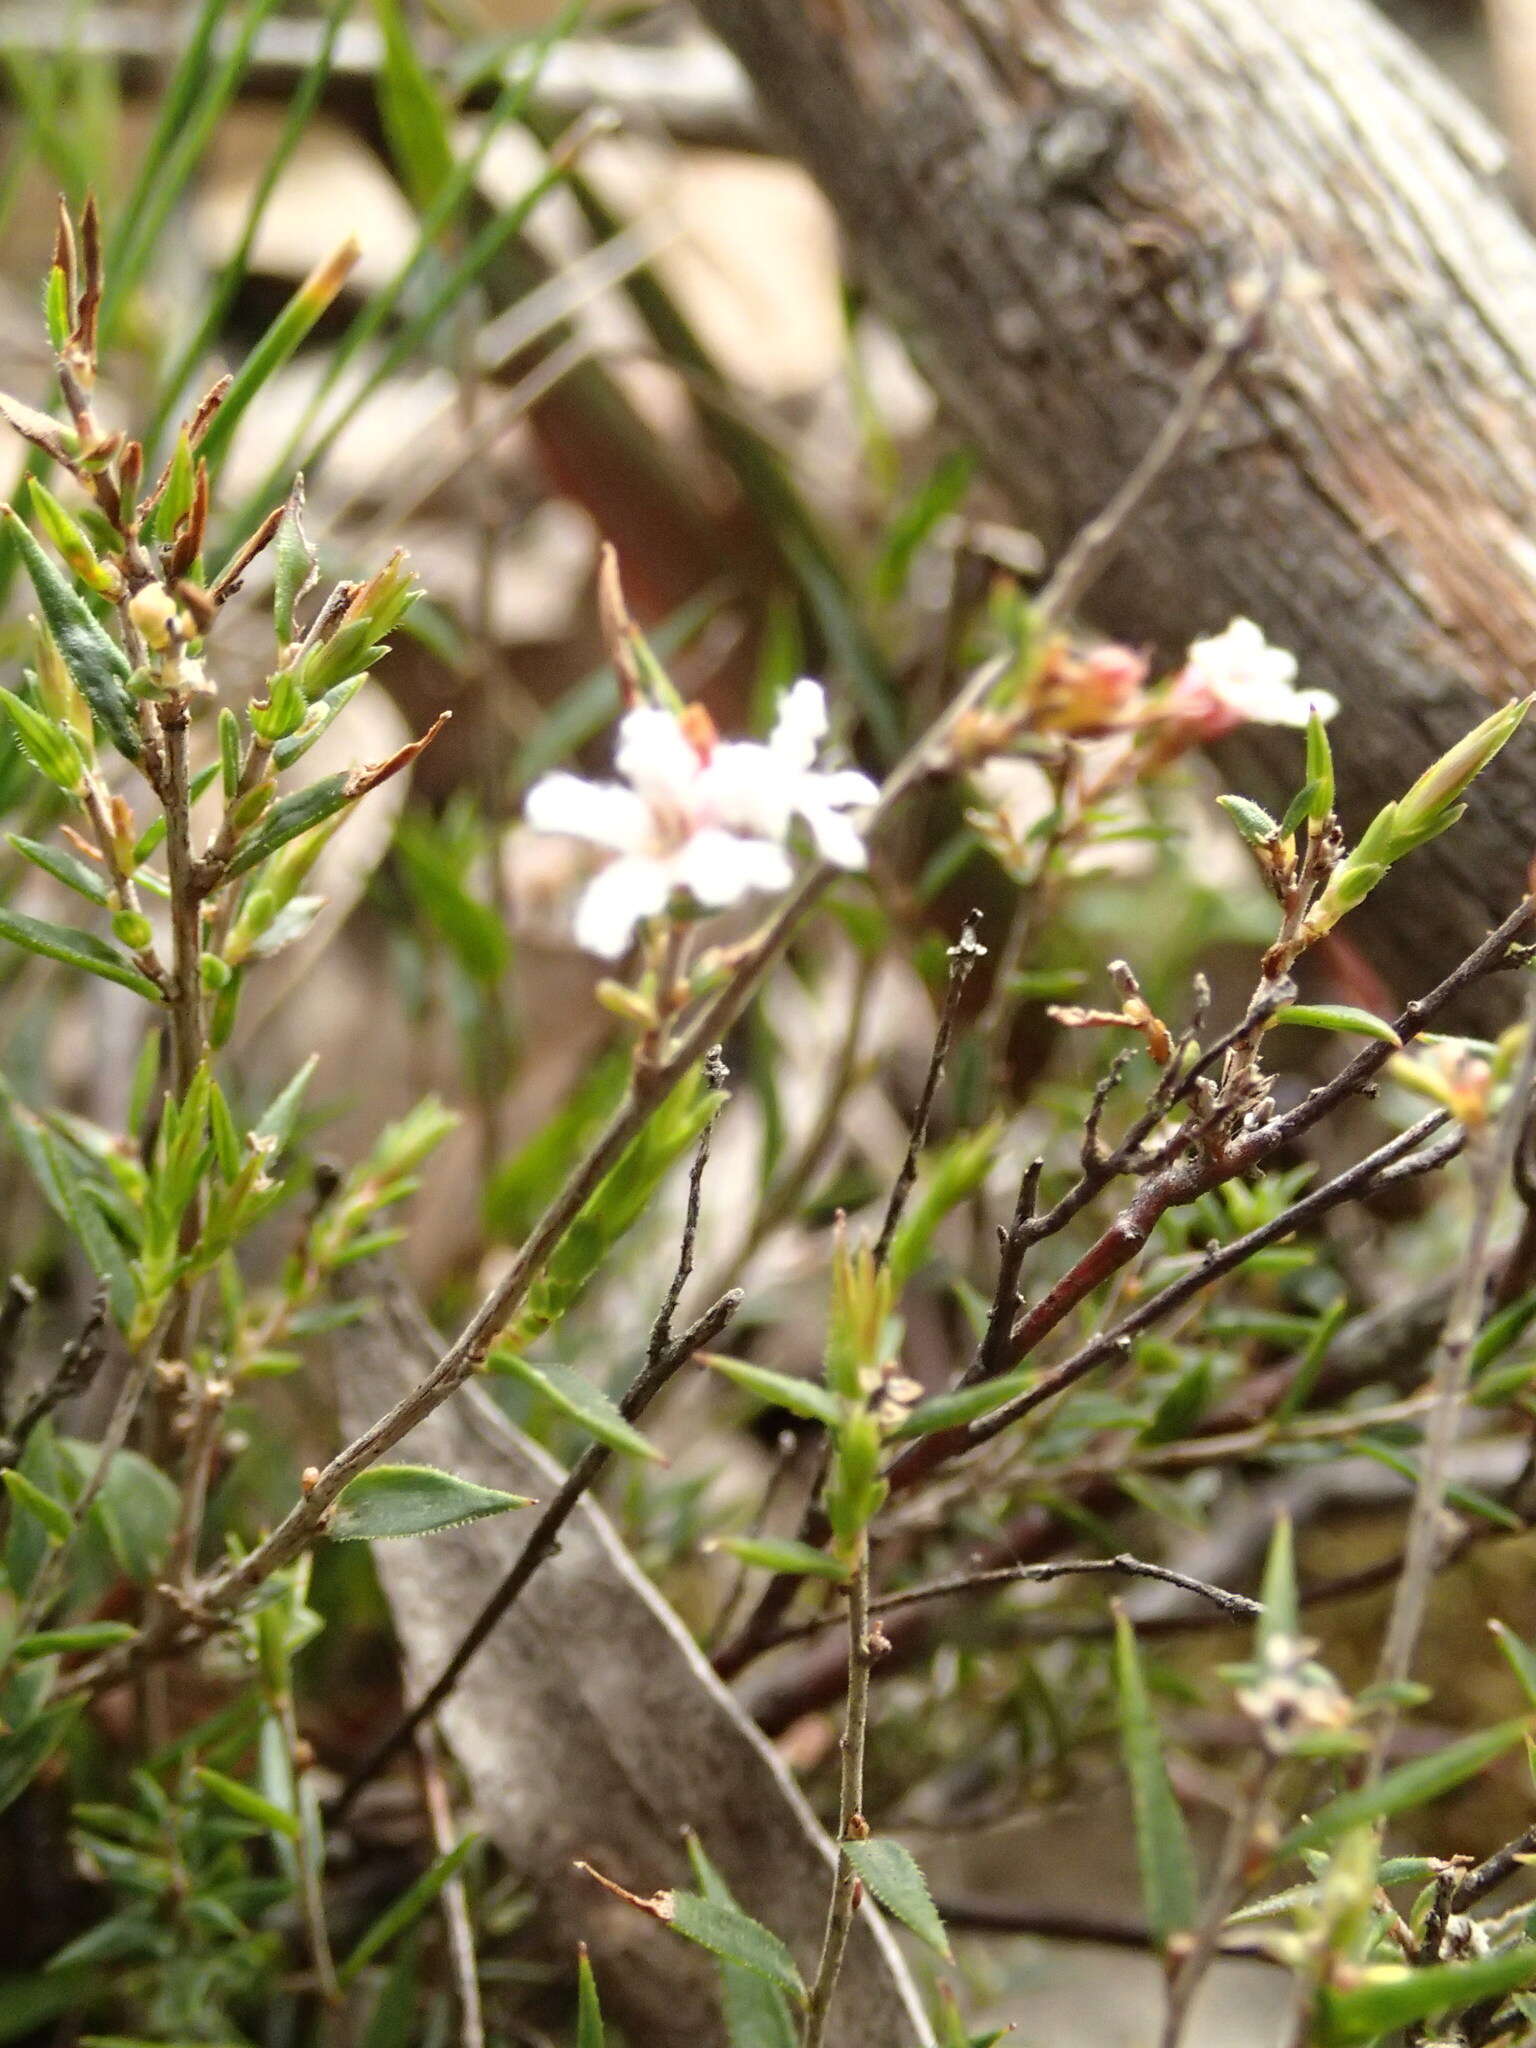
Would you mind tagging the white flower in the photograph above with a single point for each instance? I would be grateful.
(699, 817)
(1237, 678)
(763, 789)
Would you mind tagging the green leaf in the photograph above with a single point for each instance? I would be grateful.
(46, 745)
(24, 1751)
(1300, 808)
(781, 1389)
(781, 1554)
(1339, 1017)
(579, 1399)
(56, 1519)
(947, 1177)
(965, 1404)
(247, 1803)
(892, 1874)
(1162, 1842)
(135, 1510)
(471, 930)
(589, 2014)
(75, 949)
(735, 1937)
(1319, 769)
(31, 1998)
(1282, 1610)
(942, 491)
(65, 1642)
(412, 1500)
(407, 1909)
(757, 2015)
(1521, 1658)
(300, 811)
(1410, 1785)
(1251, 819)
(520, 1189)
(1395, 1997)
(282, 1112)
(280, 341)
(615, 1207)
(97, 665)
(411, 111)
(64, 866)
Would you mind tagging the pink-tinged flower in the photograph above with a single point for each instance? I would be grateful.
(1087, 695)
(697, 817)
(1237, 678)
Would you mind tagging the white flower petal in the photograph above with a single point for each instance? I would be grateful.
(801, 724)
(845, 789)
(749, 789)
(655, 755)
(616, 900)
(837, 838)
(602, 813)
(718, 868)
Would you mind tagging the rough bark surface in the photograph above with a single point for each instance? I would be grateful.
(1057, 197)
(590, 1726)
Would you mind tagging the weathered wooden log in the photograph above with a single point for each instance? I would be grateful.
(590, 1726)
(1057, 199)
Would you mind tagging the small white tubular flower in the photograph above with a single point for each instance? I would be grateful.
(665, 828)
(1237, 678)
(762, 789)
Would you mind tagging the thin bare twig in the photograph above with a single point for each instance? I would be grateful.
(1236, 1606)
(851, 1825)
(1189, 1972)
(963, 956)
(461, 1932)
(78, 1365)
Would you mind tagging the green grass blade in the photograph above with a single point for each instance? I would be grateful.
(300, 110)
(171, 170)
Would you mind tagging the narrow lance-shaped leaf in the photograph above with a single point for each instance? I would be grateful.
(64, 866)
(576, 1397)
(757, 2014)
(411, 110)
(736, 1938)
(412, 1500)
(55, 1519)
(406, 1910)
(93, 658)
(47, 746)
(75, 949)
(781, 1389)
(1162, 1841)
(782, 1554)
(248, 1803)
(589, 2014)
(1521, 1658)
(1395, 1999)
(720, 1927)
(1282, 1613)
(892, 1874)
(281, 339)
(1410, 1785)
(1338, 1017)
